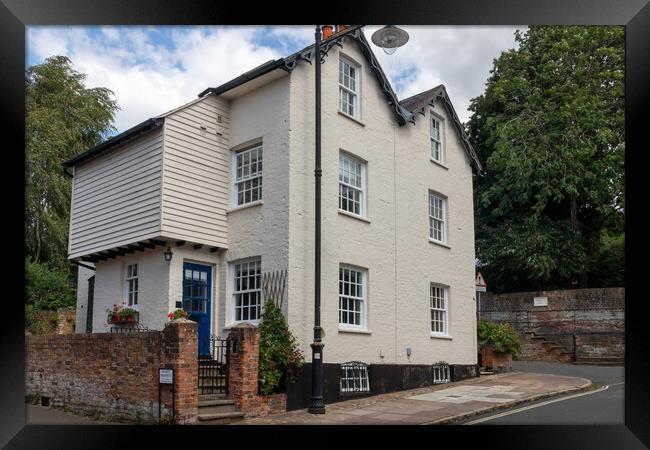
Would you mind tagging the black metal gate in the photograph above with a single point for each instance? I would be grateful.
(214, 356)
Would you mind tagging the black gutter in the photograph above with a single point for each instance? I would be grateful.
(143, 127)
(248, 76)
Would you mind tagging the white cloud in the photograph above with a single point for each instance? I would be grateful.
(149, 78)
(460, 57)
(150, 75)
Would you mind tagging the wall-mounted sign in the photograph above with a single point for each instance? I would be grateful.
(166, 376)
(481, 285)
(540, 301)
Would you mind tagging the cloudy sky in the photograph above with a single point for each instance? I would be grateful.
(154, 69)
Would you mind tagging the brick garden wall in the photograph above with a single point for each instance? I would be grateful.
(596, 317)
(116, 374)
(243, 375)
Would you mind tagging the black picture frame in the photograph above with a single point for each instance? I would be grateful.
(15, 15)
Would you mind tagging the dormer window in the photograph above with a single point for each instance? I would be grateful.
(437, 133)
(348, 88)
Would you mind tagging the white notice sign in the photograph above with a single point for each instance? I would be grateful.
(540, 301)
(166, 376)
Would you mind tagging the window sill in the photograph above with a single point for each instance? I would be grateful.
(354, 216)
(441, 336)
(441, 244)
(247, 205)
(353, 119)
(354, 330)
(438, 163)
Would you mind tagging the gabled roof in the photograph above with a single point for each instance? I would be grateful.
(133, 132)
(418, 104)
(405, 111)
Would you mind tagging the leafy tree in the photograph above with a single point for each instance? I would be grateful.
(550, 131)
(63, 119)
(279, 350)
(46, 288)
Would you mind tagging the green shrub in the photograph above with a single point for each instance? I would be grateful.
(47, 288)
(502, 338)
(279, 352)
(40, 321)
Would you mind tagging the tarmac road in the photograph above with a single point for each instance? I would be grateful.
(599, 407)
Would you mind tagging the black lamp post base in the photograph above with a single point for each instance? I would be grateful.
(316, 405)
(317, 408)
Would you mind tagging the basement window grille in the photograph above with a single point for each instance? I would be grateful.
(354, 378)
(440, 372)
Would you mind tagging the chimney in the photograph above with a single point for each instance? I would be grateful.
(327, 31)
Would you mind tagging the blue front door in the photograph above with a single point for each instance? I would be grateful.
(197, 284)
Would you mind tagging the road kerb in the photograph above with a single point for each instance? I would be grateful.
(493, 408)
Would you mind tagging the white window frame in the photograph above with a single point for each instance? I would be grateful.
(434, 306)
(441, 217)
(343, 155)
(234, 292)
(237, 179)
(356, 92)
(441, 137)
(128, 277)
(363, 316)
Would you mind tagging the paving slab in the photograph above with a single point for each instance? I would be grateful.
(435, 404)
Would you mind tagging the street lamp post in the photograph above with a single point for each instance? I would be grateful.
(388, 38)
(317, 406)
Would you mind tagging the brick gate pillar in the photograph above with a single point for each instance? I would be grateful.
(244, 365)
(180, 350)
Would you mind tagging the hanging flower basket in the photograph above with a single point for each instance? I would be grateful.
(122, 315)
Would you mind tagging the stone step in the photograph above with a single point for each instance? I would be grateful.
(208, 397)
(215, 401)
(220, 418)
(217, 409)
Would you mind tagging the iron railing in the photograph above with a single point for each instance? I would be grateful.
(135, 328)
(440, 372)
(214, 358)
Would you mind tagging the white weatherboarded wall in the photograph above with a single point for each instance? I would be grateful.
(116, 197)
(197, 172)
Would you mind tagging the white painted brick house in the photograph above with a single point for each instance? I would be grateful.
(226, 183)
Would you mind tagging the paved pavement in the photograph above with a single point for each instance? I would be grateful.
(41, 415)
(434, 404)
(604, 407)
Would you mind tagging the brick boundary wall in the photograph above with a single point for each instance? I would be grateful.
(593, 319)
(116, 374)
(243, 375)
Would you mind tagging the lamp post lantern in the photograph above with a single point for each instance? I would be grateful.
(388, 38)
